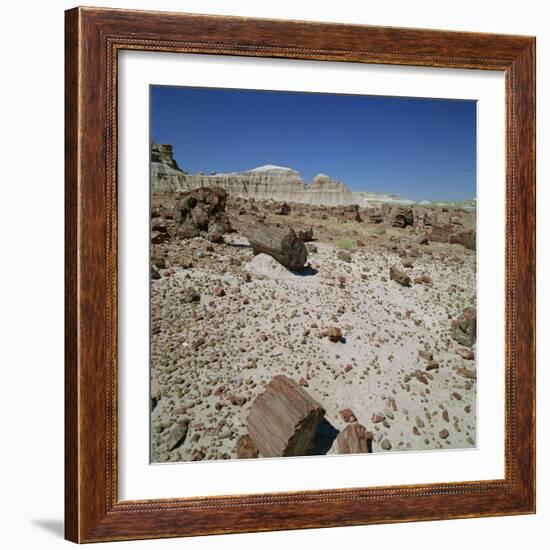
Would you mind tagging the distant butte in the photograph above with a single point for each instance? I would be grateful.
(268, 182)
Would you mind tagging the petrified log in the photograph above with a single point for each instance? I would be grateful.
(283, 419)
(351, 213)
(202, 211)
(354, 439)
(465, 238)
(441, 233)
(423, 217)
(463, 329)
(401, 216)
(280, 242)
(375, 216)
(399, 276)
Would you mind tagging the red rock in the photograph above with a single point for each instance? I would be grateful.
(246, 447)
(347, 415)
(236, 400)
(354, 439)
(334, 334)
(219, 291)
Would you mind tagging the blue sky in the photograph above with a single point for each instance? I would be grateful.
(414, 147)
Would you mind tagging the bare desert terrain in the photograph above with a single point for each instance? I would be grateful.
(375, 332)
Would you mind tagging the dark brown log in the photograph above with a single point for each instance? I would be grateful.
(401, 216)
(280, 242)
(203, 210)
(353, 439)
(283, 419)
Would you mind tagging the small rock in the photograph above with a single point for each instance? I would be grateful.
(467, 354)
(467, 373)
(246, 447)
(219, 291)
(334, 334)
(190, 295)
(399, 276)
(176, 435)
(344, 255)
(236, 400)
(347, 415)
(427, 355)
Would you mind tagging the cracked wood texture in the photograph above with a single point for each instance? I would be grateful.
(93, 509)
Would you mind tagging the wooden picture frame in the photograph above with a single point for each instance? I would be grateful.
(93, 511)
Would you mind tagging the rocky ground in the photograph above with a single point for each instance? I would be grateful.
(225, 322)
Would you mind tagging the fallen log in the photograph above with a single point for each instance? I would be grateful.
(283, 419)
(281, 243)
(441, 233)
(401, 216)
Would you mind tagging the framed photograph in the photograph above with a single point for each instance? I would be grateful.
(300, 275)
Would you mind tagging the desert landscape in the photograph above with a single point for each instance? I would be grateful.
(293, 318)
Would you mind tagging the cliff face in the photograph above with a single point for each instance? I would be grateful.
(263, 183)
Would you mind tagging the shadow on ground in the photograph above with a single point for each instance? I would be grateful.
(324, 438)
(55, 527)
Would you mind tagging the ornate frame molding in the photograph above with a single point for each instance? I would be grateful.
(93, 39)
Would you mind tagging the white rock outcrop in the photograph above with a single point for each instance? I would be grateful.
(268, 182)
(267, 266)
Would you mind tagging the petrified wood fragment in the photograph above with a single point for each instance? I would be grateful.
(441, 233)
(399, 276)
(465, 238)
(281, 243)
(246, 448)
(283, 419)
(354, 439)
(401, 216)
(463, 329)
(202, 211)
